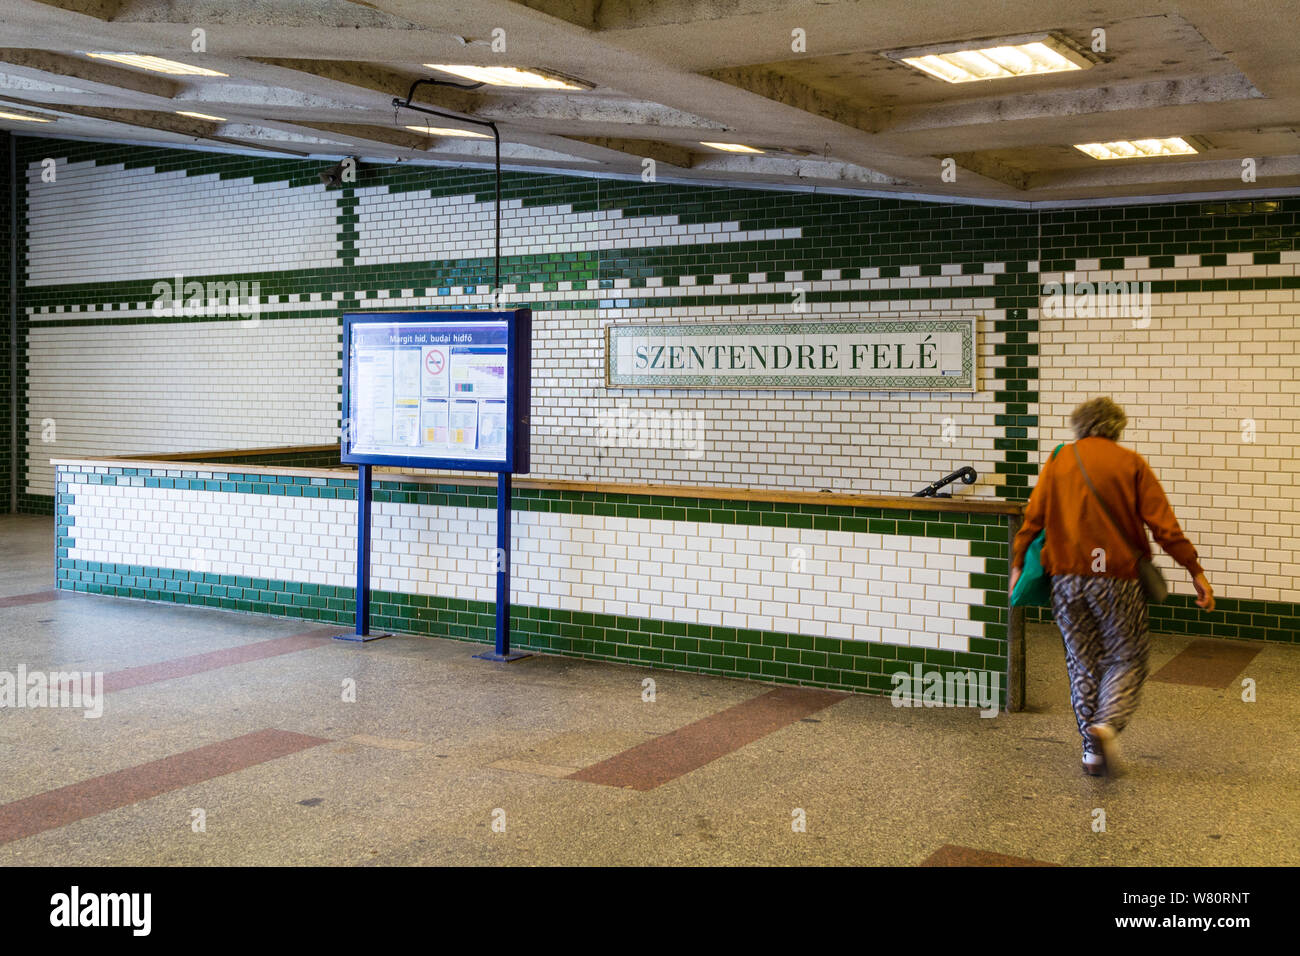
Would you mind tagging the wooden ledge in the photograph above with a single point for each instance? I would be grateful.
(959, 505)
(205, 456)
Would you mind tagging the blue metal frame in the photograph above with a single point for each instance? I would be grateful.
(503, 651)
(364, 500)
(518, 408)
(518, 389)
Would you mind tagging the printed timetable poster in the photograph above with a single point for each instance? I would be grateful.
(430, 390)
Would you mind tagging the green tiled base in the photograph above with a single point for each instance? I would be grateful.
(1273, 621)
(728, 652)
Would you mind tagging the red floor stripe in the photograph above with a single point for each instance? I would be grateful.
(35, 597)
(57, 808)
(666, 758)
(197, 663)
(951, 855)
(1206, 664)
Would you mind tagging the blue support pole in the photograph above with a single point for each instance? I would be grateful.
(503, 564)
(503, 652)
(363, 560)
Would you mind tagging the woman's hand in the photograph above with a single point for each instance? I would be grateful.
(1204, 593)
(1015, 576)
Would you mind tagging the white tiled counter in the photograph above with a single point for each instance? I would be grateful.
(823, 589)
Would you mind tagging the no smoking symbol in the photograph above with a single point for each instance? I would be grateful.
(434, 361)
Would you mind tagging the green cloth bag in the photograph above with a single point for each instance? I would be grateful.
(1034, 586)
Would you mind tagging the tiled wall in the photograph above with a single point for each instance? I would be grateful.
(587, 252)
(104, 223)
(204, 385)
(1212, 390)
(581, 252)
(1209, 385)
(811, 594)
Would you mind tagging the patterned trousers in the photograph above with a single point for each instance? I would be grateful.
(1104, 623)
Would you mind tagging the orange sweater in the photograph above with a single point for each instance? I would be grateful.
(1076, 523)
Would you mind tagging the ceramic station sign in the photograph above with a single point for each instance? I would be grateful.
(913, 354)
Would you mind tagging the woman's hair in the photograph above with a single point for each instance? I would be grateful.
(1099, 416)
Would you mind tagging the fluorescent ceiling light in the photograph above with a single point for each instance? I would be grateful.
(995, 59)
(732, 147)
(202, 116)
(6, 115)
(511, 76)
(446, 131)
(1138, 148)
(155, 64)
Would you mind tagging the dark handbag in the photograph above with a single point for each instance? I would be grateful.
(1034, 586)
(1153, 581)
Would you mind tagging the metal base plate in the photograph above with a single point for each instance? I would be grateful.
(494, 656)
(360, 638)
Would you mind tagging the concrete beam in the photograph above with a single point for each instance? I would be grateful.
(260, 144)
(481, 150)
(144, 119)
(666, 153)
(152, 120)
(634, 14)
(777, 169)
(278, 134)
(348, 15)
(590, 110)
(580, 13)
(385, 135)
(991, 169)
(26, 84)
(92, 75)
(220, 95)
(368, 76)
(1223, 173)
(1104, 99)
(98, 9)
(790, 92)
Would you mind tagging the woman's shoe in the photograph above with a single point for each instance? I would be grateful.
(1107, 739)
(1094, 765)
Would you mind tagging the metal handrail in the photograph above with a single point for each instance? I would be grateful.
(966, 473)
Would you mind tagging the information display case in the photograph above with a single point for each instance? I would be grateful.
(441, 390)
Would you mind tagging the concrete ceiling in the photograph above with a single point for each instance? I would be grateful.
(317, 78)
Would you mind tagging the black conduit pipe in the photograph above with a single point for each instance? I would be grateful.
(496, 138)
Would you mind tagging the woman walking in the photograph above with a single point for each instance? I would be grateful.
(1091, 549)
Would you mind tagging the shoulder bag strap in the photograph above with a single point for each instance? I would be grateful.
(1104, 507)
